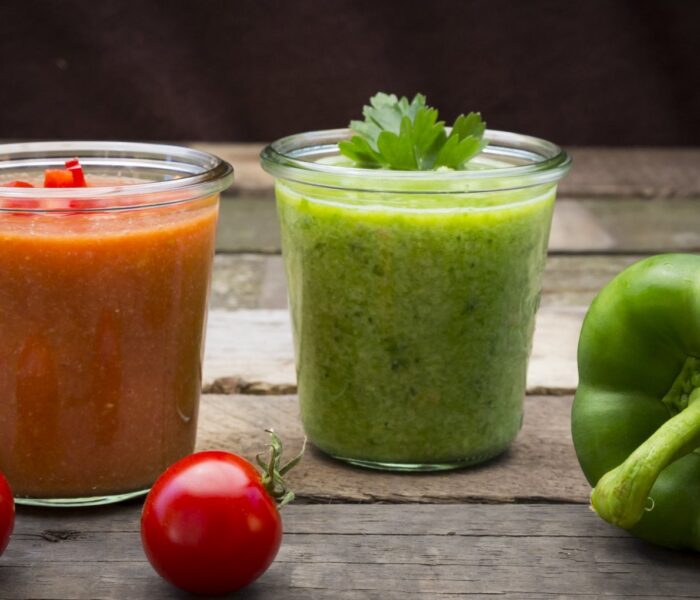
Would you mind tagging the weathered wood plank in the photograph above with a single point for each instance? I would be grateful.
(635, 226)
(575, 228)
(552, 368)
(633, 172)
(249, 177)
(237, 281)
(571, 280)
(540, 466)
(357, 552)
(273, 287)
(596, 172)
(585, 219)
(256, 346)
(248, 224)
(257, 280)
(514, 520)
(624, 225)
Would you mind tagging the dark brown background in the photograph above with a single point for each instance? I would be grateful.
(589, 72)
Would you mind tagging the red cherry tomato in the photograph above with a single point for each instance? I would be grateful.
(7, 513)
(209, 525)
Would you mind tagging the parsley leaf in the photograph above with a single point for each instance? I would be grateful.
(403, 135)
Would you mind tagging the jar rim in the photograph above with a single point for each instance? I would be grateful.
(541, 162)
(199, 172)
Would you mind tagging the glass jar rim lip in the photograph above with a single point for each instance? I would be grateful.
(280, 158)
(216, 174)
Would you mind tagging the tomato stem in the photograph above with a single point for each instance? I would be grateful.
(273, 471)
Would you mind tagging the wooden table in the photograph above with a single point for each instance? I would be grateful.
(518, 526)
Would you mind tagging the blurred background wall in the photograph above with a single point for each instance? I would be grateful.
(597, 72)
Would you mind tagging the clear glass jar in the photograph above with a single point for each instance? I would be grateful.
(413, 296)
(103, 301)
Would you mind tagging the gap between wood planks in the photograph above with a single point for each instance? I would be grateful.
(235, 385)
(249, 344)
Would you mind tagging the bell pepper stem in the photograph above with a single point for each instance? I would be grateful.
(622, 495)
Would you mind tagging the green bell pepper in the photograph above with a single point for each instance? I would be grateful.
(636, 415)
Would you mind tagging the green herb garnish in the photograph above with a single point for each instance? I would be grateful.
(403, 135)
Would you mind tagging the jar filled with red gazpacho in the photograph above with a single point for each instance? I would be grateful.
(105, 262)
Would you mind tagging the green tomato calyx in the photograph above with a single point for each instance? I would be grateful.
(273, 471)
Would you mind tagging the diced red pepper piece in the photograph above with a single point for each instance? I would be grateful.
(17, 183)
(58, 178)
(76, 170)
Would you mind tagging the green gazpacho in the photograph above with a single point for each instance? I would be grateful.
(413, 300)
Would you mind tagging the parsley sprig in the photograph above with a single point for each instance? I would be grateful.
(403, 135)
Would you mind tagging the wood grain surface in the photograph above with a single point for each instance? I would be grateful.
(583, 225)
(540, 465)
(355, 552)
(650, 173)
(245, 281)
(604, 202)
(256, 346)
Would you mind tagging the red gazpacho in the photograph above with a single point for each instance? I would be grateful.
(102, 317)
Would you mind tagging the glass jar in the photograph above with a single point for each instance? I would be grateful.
(413, 296)
(103, 301)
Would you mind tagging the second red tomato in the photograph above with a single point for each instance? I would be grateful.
(7, 513)
(209, 526)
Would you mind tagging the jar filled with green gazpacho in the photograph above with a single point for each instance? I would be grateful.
(413, 254)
